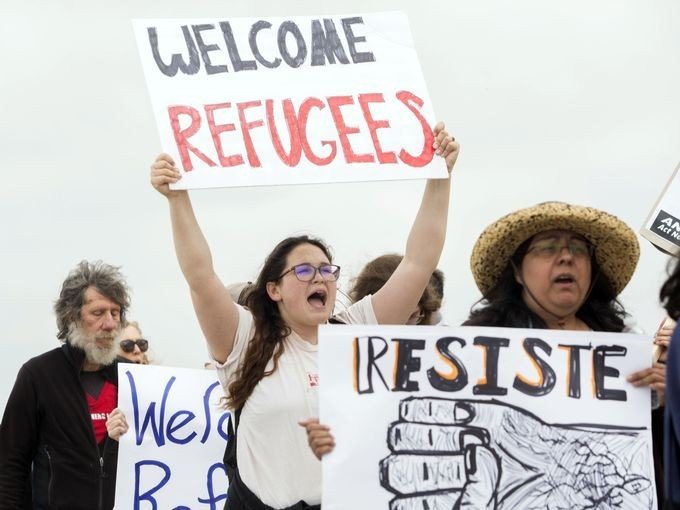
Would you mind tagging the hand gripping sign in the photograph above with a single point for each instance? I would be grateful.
(289, 100)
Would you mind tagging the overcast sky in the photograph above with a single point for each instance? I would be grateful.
(574, 101)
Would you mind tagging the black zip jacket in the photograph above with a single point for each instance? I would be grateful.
(49, 458)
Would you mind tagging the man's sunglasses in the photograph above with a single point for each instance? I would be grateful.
(129, 345)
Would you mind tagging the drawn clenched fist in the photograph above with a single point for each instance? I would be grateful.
(453, 454)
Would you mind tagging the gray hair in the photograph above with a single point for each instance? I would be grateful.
(108, 281)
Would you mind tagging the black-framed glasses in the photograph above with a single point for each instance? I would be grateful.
(306, 272)
(549, 248)
(129, 345)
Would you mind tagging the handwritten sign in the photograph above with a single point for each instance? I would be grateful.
(171, 457)
(662, 227)
(246, 101)
(489, 418)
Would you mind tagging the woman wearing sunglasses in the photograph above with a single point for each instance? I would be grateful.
(266, 352)
(132, 346)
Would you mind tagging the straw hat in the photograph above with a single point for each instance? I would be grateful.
(616, 246)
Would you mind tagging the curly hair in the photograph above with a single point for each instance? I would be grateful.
(108, 281)
(503, 306)
(270, 328)
(376, 273)
(437, 283)
(670, 290)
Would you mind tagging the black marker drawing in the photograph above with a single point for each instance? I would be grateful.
(450, 454)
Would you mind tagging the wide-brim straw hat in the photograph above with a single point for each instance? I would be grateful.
(616, 246)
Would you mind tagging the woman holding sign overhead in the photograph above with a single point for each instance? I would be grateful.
(266, 352)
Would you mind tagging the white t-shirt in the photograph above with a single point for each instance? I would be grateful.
(274, 459)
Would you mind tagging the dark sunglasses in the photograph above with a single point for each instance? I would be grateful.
(129, 345)
(306, 272)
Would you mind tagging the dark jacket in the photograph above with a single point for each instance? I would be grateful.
(47, 428)
(672, 437)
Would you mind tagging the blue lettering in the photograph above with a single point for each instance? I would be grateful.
(213, 498)
(188, 416)
(148, 495)
(150, 413)
(154, 417)
(222, 427)
(206, 409)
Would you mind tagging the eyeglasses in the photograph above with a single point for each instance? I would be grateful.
(129, 345)
(416, 318)
(549, 248)
(306, 272)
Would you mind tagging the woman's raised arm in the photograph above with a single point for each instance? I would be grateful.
(396, 300)
(216, 312)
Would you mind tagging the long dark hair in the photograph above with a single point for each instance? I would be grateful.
(270, 328)
(503, 306)
(670, 291)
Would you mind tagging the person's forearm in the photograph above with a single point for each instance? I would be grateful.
(191, 248)
(426, 239)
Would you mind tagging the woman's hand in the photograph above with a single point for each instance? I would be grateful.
(163, 173)
(664, 333)
(654, 377)
(319, 437)
(116, 424)
(445, 145)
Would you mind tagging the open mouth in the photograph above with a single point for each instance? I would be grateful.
(317, 299)
(564, 279)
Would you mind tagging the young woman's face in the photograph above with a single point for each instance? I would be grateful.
(304, 304)
(556, 270)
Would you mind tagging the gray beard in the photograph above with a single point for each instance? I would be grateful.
(93, 353)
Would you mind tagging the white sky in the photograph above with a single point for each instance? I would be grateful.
(574, 101)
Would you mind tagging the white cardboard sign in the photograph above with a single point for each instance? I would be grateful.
(662, 227)
(303, 99)
(171, 457)
(485, 418)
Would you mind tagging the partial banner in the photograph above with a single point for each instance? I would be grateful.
(487, 418)
(171, 456)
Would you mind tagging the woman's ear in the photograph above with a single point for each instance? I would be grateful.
(516, 273)
(273, 291)
(518, 278)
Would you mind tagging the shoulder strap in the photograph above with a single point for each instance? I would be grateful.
(230, 450)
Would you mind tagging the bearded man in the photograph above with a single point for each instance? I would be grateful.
(54, 450)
